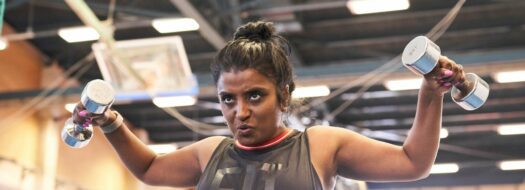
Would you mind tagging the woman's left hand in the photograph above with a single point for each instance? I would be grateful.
(446, 74)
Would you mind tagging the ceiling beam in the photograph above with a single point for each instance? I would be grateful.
(207, 31)
(101, 9)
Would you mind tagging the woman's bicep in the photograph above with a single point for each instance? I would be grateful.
(181, 168)
(364, 158)
(178, 169)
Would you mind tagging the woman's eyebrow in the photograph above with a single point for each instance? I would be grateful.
(256, 89)
(224, 93)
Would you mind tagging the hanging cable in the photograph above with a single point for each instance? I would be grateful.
(47, 93)
(30, 16)
(435, 33)
(203, 128)
(368, 79)
(365, 87)
(111, 11)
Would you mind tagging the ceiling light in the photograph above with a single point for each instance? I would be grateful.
(512, 165)
(213, 119)
(174, 101)
(375, 6)
(444, 168)
(403, 84)
(3, 43)
(163, 148)
(512, 129)
(509, 76)
(311, 91)
(168, 25)
(78, 34)
(70, 107)
(443, 133)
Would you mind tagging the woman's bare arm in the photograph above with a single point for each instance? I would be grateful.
(180, 168)
(359, 157)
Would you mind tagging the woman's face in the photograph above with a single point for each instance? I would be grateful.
(250, 106)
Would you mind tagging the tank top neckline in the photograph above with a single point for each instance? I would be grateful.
(270, 143)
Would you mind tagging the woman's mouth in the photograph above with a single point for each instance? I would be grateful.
(244, 130)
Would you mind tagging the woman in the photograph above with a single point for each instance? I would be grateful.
(254, 83)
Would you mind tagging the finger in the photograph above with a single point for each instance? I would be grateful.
(80, 114)
(83, 113)
(446, 86)
(435, 74)
(458, 75)
(99, 119)
(460, 78)
(445, 62)
(87, 122)
(444, 75)
(444, 83)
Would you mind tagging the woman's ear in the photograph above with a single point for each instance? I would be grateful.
(285, 101)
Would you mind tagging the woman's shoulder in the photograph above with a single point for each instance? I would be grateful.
(209, 144)
(319, 133)
(323, 133)
(205, 148)
(214, 139)
(322, 130)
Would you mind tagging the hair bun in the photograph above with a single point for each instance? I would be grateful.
(255, 30)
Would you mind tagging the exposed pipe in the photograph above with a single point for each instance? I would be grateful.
(207, 31)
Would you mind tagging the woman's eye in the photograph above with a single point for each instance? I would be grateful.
(255, 97)
(227, 100)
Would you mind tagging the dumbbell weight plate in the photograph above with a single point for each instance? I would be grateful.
(421, 55)
(76, 136)
(476, 97)
(97, 96)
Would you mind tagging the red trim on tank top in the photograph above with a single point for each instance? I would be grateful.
(276, 140)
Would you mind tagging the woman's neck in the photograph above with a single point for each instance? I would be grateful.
(276, 140)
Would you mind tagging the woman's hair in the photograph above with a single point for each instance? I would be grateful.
(255, 45)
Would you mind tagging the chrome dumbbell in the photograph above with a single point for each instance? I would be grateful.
(421, 55)
(97, 97)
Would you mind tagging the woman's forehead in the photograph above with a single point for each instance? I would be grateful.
(242, 79)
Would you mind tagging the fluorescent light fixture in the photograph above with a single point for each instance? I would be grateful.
(70, 107)
(444, 168)
(443, 133)
(78, 34)
(214, 119)
(3, 43)
(512, 129)
(174, 101)
(163, 148)
(311, 91)
(509, 76)
(168, 25)
(403, 84)
(375, 6)
(512, 165)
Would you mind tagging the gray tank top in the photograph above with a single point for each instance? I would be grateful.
(285, 166)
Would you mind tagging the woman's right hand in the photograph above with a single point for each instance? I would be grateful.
(446, 74)
(82, 116)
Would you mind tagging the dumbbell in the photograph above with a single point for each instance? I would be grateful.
(97, 97)
(421, 55)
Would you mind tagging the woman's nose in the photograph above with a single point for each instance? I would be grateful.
(243, 111)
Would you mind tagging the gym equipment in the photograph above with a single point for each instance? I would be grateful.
(421, 55)
(97, 97)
